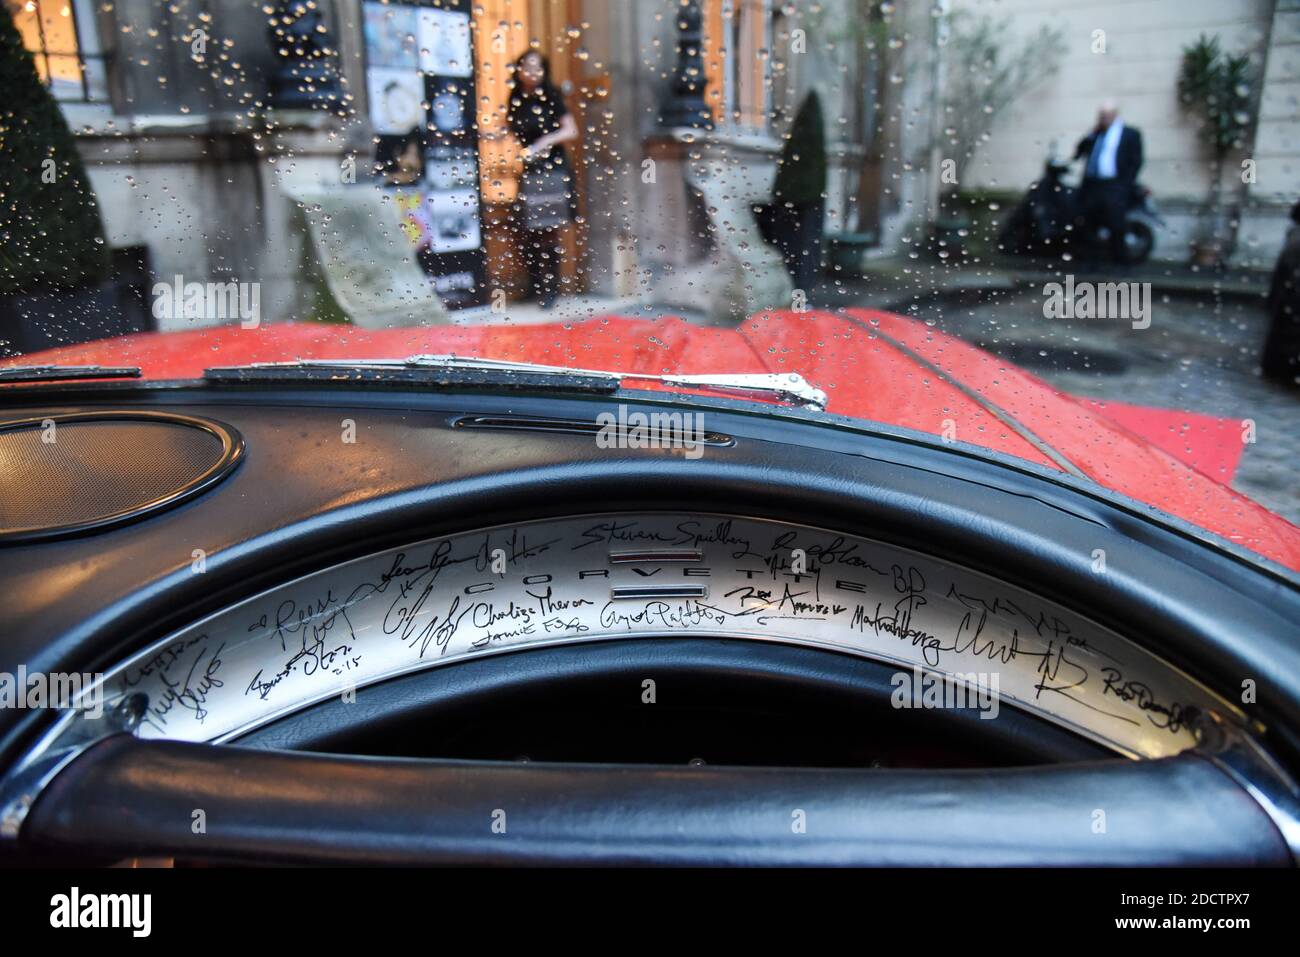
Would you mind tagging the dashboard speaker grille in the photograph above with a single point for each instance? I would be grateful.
(66, 474)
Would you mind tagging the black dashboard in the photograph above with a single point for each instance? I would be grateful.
(756, 560)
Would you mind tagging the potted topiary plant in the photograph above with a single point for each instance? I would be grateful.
(1219, 89)
(799, 194)
(58, 282)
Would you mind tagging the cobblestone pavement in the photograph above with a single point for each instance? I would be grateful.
(1199, 354)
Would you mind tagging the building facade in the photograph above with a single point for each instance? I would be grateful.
(203, 125)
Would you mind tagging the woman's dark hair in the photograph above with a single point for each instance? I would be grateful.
(518, 65)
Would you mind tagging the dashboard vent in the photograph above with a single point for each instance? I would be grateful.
(529, 423)
(67, 474)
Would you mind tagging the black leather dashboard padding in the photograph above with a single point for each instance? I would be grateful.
(130, 797)
(303, 500)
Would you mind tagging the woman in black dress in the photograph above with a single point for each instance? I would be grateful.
(540, 121)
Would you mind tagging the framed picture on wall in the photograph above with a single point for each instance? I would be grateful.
(391, 35)
(452, 219)
(420, 85)
(396, 100)
(444, 38)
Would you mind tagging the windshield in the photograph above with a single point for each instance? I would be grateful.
(1060, 233)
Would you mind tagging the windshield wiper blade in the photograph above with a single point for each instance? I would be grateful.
(789, 386)
(63, 373)
(341, 372)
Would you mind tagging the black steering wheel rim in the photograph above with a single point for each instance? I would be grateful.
(260, 801)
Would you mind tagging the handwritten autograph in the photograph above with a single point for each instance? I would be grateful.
(409, 599)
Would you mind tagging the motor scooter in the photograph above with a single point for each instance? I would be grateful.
(1050, 220)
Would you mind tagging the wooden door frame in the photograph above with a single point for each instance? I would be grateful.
(546, 22)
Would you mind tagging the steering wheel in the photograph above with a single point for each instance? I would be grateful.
(105, 791)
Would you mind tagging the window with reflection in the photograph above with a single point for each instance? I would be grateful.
(64, 43)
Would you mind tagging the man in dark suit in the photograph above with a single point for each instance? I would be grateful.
(1281, 358)
(1113, 156)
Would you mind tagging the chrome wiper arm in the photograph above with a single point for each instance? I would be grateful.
(789, 386)
(54, 373)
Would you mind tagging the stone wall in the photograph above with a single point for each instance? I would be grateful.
(1144, 40)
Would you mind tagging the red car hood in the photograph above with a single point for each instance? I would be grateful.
(872, 365)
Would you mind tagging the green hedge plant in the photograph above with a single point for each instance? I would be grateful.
(51, 234)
